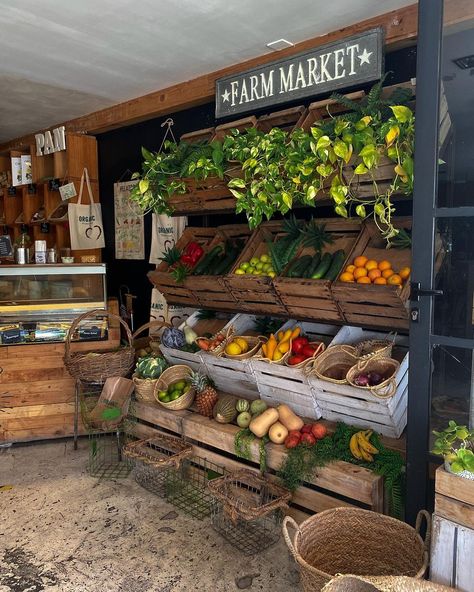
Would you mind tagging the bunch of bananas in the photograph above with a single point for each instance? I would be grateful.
(360, 446)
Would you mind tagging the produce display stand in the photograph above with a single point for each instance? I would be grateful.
(279, 383)
(373, 305)
(358, 406)
(452, 545)
(337, 484)
(312, 299)
(255, 293)
(210, 290)
(286, 119)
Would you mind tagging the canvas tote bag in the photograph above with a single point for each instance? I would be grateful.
(85, 220)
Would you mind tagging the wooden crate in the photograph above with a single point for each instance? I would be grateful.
(199, 135)
(279, 383)
(200, 326)
(373, 305)
(454, 498)
(234, 376)
(337, 484)
(210, 290)
(255, 293)
(313, 299)
(162, 279)
(452, 550)
(286, 119)
(356, 406)
(224, 129)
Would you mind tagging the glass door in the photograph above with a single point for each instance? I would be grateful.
(442, 306)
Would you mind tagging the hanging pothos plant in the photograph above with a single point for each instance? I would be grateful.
(163, 172)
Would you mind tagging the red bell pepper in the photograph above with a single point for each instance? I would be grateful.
(192, 253)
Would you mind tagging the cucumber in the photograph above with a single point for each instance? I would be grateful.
(202, 266)
(323, 267)
(299, 269)
(336, 265)
(225, 262)
(293, 265)
(314, 264)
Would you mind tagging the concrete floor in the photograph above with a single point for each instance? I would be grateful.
(64, 531)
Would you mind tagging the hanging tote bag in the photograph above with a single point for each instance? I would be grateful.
(85, 220)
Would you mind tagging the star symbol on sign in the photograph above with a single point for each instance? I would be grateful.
(225, 96)
(364, 56)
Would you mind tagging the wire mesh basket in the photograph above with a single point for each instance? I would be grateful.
(106, 460)
(247, 510)
(157, 462)
(188, 488)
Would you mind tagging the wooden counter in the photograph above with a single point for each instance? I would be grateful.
(36, 390)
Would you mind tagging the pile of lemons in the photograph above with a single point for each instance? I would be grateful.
(257, 266)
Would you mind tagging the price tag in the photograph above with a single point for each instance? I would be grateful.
(67, 191)
(31, 189)
(12, 191)
(44, 228)
(53, 184)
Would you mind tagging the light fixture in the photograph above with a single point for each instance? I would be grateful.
(279, 44)
(465, 63)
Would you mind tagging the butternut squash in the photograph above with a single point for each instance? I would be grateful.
(289, 419)
(262, 423)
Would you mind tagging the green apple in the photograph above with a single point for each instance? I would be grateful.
(259, 266)
(244, 265)
(254, 261)
(264, 258)
(272, 274)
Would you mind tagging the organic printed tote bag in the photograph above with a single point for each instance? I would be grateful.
(85, 220)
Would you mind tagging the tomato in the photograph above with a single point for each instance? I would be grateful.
(298, 344)
(308, 351)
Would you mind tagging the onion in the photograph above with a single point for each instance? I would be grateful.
(362, 380)
(375, 378)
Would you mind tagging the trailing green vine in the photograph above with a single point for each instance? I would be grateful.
(302, 461)
(242, 443)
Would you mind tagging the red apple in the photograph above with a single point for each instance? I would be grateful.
(296, 359)
(308, 351)
(292, 441)
(298, 344)
(319, 430)
(307, 428)
(308, 439)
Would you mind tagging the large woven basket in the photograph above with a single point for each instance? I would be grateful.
(144, 388)
(355, 541)
(334, 364)
(97, 366)
(159, 452)
(170, 375)
(386, 367)
(254, 343)
(351, 583)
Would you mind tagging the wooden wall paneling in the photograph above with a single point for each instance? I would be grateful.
(31, 202)
(13, 206)
(42, 167)
(81, 152)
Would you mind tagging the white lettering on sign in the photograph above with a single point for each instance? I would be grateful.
(48, 143)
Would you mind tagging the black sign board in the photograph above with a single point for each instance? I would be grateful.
(5, 246)
(342, 64)
(44, 228)
(11, 191)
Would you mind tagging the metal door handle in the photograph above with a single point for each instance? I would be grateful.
(416, 292)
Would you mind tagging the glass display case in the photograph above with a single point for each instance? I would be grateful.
(39, 302)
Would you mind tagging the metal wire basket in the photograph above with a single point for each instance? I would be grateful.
(188, 488)
(106, 460)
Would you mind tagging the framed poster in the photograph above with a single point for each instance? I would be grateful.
(129, 230)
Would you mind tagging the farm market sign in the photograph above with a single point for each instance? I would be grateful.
(353, 61)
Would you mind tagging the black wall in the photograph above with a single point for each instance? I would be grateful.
(119, 150)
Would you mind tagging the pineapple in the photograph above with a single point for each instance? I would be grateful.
(206, 394)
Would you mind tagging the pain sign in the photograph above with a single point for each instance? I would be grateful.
(343, 64)
(48, 142)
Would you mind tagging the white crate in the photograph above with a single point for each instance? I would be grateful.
(357, 406)
(234, 376)
(284, 384)
(193, 360)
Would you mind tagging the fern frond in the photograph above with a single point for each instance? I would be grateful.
(350, 104)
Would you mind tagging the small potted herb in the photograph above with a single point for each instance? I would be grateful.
(456, 445)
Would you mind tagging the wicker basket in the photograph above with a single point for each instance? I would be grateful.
(98, 366)
(156, 461)
(169, 376)
(351, 540)
(255, 343)
(374, 347)
(144, 388)
(352, 583)
(150, 340)
(320, 347)
(386, 367)
(334, 364)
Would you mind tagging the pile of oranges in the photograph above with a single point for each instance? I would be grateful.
(369, 271)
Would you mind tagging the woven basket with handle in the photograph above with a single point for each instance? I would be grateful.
(351, 583)
(170, 375)
(374, 347)
(254, 344)
(356, 541)
(386, 367)
(97, 366)
(145, 387)
(159, 452)
(334, 364)
(150, 340)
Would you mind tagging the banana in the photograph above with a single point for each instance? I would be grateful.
(354, 447)
(364, 443)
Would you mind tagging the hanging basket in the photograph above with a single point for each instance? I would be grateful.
(355, 541)
(97, 366)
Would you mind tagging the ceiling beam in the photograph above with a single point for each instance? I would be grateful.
(400, 28)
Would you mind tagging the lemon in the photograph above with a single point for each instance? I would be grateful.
(233, 349)
(264, 258)
(239, 271)
(242, 343)
(272, 274)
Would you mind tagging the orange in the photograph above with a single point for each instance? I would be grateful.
(383, 265)
(381, 281)
(346, 277)
(394, 280)
(371, 264)
(360, 261)
(374, 273)
(404, 273)
(350, 268)
(364, 280)
(359, 272)
(386, 273)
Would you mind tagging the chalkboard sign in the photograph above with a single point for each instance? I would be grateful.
(11, 191)
(44, 228)
(5, 246)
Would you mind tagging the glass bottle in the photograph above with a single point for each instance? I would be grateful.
(24, 239)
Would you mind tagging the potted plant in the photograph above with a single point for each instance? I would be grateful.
(456, 445)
